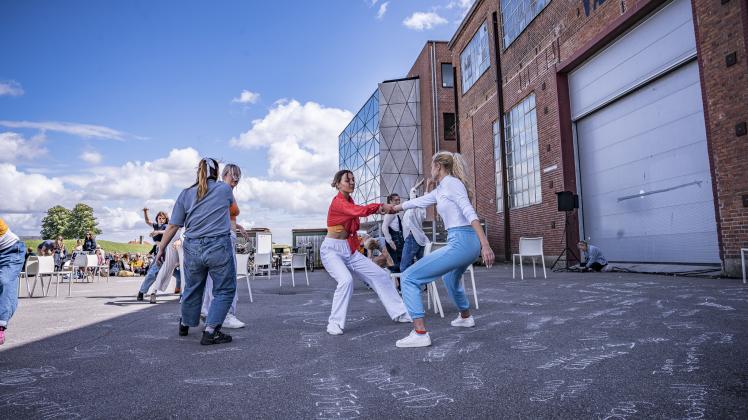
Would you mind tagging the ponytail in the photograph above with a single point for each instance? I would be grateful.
(207, 169)
(455, 165)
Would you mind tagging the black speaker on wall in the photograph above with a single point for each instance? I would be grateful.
(567, 201)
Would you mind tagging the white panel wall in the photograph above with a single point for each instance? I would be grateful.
(663, 40)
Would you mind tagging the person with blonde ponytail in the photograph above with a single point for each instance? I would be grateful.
(203, 211)
(466, 241)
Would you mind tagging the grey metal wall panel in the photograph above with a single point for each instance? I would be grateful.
(645, 177)
(663, 40)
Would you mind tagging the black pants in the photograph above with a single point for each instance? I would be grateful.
(595, 266)
(396, 254)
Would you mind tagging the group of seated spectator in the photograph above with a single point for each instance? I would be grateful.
(129, 264)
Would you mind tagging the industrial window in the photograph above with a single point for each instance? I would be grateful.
(450, 126)
(522, 154)
(517, 14)
(497, 159)
(448, 79)
(474, 59)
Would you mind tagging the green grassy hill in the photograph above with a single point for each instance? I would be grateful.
(107, 246)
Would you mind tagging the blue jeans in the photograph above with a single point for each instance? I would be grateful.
(150, 277)
(203, 256)
(411, 249)
(11, 264)
(463, 247)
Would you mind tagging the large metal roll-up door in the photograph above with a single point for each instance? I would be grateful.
(642, 158)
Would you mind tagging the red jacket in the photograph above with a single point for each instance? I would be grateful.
(346, 212)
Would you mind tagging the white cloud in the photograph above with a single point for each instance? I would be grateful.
(247, 97)
(118, 219)
(382, 10)
(14, 146)
(10, 88)
(28, 193)
(420, 21)
(76, 129)
(373, 3)
(463, 6)
(91, 156)
(301, 140)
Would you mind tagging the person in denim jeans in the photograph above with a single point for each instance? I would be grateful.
(466, 241)
(12, 257)
(203, 211)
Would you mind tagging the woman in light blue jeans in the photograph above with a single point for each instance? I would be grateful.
(12, 256)
(203, 211)
(466, 241)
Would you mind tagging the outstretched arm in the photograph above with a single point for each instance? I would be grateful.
(147, 219)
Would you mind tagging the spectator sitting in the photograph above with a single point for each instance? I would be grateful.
(78, 245)
(137, 265)
(376, 250)
(60, 253)
(89, 244)
(100, 260)
(46, 248)
(592, 257)
(115, 265)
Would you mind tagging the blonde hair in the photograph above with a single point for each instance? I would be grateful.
(234, 171)
(206, 169)
(454, 164)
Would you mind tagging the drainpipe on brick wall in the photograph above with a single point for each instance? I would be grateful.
(502, 145)
(457, 108)
(434, 99)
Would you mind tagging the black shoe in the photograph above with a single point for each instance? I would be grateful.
(183, 329)
(217, 337)
(140, 297)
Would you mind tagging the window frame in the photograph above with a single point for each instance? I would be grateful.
(506, 44)
(522, 160)
(477, 76)
(451, 75)
(454, 126)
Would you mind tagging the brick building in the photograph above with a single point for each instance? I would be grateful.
(637, 106)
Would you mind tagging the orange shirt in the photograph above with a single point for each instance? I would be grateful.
(233, 211)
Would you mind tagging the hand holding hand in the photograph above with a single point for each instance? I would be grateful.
(386, 209)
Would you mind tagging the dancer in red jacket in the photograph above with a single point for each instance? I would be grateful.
(342, 262)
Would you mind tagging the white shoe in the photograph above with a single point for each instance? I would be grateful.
(414, 340)
(334, 329)
(232, 322)
(404, 318)
(464, 322)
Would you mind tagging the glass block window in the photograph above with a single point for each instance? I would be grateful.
(358, 147)
(516, 15)
(522, 154)
(499, 176)
(474, 59)
(448, 79)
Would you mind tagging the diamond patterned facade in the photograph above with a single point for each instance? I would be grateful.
(382, 143)
(400, 136)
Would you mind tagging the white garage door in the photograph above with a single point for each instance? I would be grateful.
(645, 181)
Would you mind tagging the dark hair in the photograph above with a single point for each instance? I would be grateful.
(339, 176)
(162, 213)
(392, 197)
(204, 173)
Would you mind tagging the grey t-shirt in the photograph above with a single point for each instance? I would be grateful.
(207, 217)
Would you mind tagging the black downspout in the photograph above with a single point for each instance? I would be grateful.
(457, 108)
(502, 141)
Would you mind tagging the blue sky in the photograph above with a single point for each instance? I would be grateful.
(112, 103)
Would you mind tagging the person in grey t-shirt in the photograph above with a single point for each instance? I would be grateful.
(203, 211)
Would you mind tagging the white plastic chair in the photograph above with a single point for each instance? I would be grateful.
(38, 267)
(462, 279)
(529, 247)
(297, 261)
(242, 269)
(742, 260)
(263, 260)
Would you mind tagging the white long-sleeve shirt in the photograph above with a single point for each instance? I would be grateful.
(413, 224)
(451, 200)
(390, 221)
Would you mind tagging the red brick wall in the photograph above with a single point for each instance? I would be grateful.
(720, 30)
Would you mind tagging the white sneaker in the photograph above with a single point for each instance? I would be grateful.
(464, 322)
(404, 318)
(334, 329)
(414, 340)
(232, 322)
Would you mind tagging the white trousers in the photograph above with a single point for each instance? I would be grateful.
(342, 266)
(165, 273)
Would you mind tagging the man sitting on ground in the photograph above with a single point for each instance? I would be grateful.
(592, 257)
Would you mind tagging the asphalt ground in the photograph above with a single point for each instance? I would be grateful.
(575, 346)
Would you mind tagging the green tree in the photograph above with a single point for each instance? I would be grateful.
(82, 220)
(55, 223)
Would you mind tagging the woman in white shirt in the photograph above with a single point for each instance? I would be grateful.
(466, 240)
